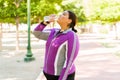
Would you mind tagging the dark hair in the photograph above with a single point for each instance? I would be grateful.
(73, 17)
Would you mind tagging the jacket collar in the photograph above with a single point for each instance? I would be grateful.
(66, 31)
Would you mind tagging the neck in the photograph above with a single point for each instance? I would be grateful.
(63, 28)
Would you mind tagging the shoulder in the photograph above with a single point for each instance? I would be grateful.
(72, 35)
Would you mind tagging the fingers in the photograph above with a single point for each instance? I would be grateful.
(52, 17)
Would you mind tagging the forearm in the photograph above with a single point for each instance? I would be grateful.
(40, 26)
(38, 32)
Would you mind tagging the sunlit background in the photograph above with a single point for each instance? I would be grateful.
(98, 22)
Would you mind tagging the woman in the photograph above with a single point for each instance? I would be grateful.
(62, 47)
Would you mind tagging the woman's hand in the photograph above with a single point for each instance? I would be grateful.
(49, 19)
(52, 17)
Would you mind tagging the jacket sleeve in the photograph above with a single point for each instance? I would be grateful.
(39, 33)
(70, 56)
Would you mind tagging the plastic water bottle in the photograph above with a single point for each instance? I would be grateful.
(47, 18)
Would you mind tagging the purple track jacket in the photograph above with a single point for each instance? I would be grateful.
(61, 51)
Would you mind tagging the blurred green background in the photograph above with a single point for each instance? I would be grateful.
(94, 16)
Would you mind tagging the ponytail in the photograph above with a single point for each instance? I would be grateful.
(73, 29)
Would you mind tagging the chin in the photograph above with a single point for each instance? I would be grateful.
(58, 21)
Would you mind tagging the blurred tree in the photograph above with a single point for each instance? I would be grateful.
(105, 10)
(15, 11)
(10, 10)
(43, 8)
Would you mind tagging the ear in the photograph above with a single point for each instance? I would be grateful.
(69, 21)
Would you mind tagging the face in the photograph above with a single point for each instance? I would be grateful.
(64, 18)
